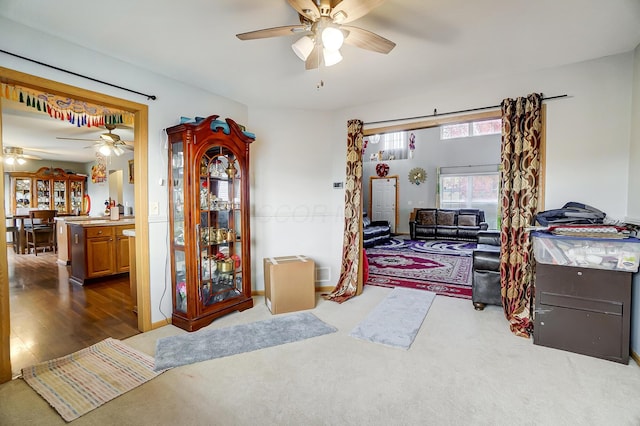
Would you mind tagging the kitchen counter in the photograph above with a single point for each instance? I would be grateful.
(105, 222)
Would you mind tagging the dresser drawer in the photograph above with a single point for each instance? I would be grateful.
(582, 310)
(582, 282)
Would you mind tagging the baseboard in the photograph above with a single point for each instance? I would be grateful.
(324, 289)
(161, 323)
(635, 357)
(253, 293)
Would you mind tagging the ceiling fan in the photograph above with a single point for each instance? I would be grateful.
(15, 155)
(109, 143)
(321, 24)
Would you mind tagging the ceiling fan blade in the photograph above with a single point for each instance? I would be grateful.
(313, 61)
(353, 9)
(367, 40)
(272, 32)
(31, 157)
(75, 139)
(306, 8)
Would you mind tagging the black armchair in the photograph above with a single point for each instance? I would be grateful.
(486, 271)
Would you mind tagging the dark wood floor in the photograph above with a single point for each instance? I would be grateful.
(51, 317)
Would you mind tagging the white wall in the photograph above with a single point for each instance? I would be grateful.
(587, 133)
(295, 209)
(174, 99)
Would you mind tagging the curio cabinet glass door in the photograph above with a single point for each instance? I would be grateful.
(209, 220)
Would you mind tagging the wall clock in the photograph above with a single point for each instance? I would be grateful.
(417, 175)
(382, 169)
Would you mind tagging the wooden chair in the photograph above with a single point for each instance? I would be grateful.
(40, 230)
(15, 237)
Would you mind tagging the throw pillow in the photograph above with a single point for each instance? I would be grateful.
(467, 220)
(446, 218)
(426, 217)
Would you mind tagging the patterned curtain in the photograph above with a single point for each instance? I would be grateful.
(520, 174)
(350, 282)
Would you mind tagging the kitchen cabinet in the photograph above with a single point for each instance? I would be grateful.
(209, 221)
(47, 189)
(98, 249)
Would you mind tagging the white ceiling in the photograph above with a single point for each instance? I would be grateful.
(37, 133)
(437, 41)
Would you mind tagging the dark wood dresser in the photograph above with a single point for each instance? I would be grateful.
(583, 310)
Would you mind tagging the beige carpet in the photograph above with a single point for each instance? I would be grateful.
(464, 367)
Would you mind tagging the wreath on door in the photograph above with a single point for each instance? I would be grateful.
(382, 169)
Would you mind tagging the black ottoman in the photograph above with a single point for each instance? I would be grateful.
(486, 270)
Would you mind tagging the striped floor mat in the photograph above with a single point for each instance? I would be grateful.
(76, 384)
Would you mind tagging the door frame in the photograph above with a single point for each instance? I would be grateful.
(371, 179)
(141, 118)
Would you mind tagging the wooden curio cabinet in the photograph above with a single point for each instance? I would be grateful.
(209, 221)
(47, 189)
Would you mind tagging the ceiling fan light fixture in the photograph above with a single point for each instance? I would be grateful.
(105, 150)
(13, 155)
(118, 151)
(332, 38)
(331, 57)
(303, 47)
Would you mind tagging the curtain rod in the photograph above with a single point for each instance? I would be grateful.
(149, 97)
(436, 114)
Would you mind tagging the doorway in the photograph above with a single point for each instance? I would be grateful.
(383, 197)
(140, 112)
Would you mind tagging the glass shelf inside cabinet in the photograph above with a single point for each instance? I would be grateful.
(23, 193)
(181, 281)
(177, 185)
(42, 188)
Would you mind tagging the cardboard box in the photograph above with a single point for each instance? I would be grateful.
(289, 283)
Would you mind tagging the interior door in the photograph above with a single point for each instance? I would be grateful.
(384, 196)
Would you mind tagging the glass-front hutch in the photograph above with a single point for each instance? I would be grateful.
(209, 221)
(47, 189)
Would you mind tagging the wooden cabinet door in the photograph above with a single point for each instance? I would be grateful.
(100, 256)
(122, 253)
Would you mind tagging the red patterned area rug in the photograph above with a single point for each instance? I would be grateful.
(444, 273)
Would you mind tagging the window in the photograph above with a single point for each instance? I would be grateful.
(453, 131)
(474, 128)
(471, 189)
(393, 145)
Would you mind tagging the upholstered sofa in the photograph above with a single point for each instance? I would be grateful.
(447, 224)
(374, 233)
(486, 271)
